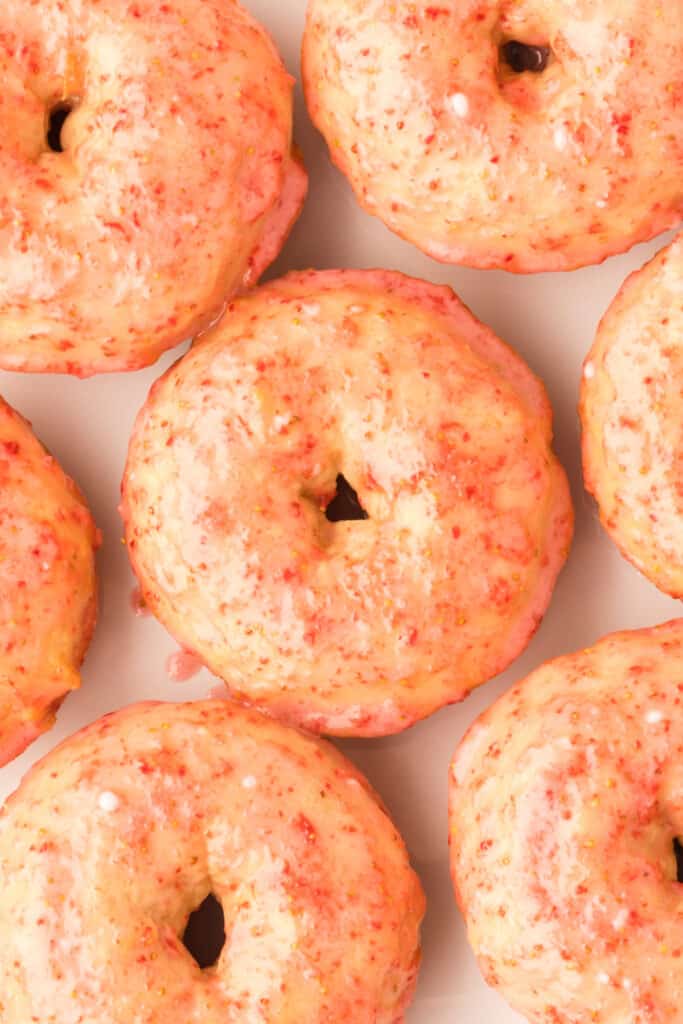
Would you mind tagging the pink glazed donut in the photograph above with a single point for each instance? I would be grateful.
(126, 225)
(116, 838)
(566, 813)
(48, 590)
(526, 136)
(384, 392)
(632, 417)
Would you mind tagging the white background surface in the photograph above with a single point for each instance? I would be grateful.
(551, 320)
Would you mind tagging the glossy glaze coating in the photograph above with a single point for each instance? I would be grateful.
(565, 800)
(631, 405)
(47, 585)
(481, 165)
(354, 627)
(175, 188)
(118, 835)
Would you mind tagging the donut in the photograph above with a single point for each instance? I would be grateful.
(147, 175)
(525, 137)
(631, 415)
(115, 839)
(565, 815)
(345, 503)
(48, 595)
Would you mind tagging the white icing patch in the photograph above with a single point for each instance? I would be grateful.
(653, 717)
(589, 371)
(560, 138)
(417, 513)
(603, 978)
(249, 782)
(460, 105)
(620, 920)
(281, 421)
(108, 802)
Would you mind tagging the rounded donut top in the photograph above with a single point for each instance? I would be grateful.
(631, 415)
(524, 136)
(118, 835)
(565, 811)
(48, 586)
(146, 175)
(376, 384)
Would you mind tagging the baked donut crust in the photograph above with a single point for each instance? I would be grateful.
(48, 597)
(121, 832)
(631, 416)
(565, 801)
(175, 188)
(349, 628)
(476, 164)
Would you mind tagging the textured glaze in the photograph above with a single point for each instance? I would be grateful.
(565, 800)
(479, 165)
(631, 410)
(47, 585)
(118, 835)
(176, 186)
(355, 627)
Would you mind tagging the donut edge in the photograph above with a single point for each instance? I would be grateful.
(593, 462)
(31, 731)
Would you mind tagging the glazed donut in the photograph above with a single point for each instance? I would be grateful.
(524, 136)
(48, 596)
(631, 414)
(115, 838)
(566, 805)
(385, 391)
(170, 185)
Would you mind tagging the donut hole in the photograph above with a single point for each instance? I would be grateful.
(204, 935)
(56, 120)
(678, 854)
(520, 57)
(345, 506)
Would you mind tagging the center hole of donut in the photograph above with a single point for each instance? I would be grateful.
(345, 505)
(521, 57)
(204, 935)
(678, 853)
(55, 124)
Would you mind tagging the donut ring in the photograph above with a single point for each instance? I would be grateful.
(390, 386)
(631, 416)
(426, 112)
(174, 187)
(121, 832)
(48, 598)
(565, 808)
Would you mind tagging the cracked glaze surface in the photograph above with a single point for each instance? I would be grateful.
(363, 627)
(631, 415)
(176, 186)
(121, 832)
(565, 799)
(478, 165)
(47, 585)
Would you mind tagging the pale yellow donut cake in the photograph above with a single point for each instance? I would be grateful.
(388, 391)
(566, 810)
(48, 596)
(632, 416)
(525, 135)
(146, 175)
(116, 837)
